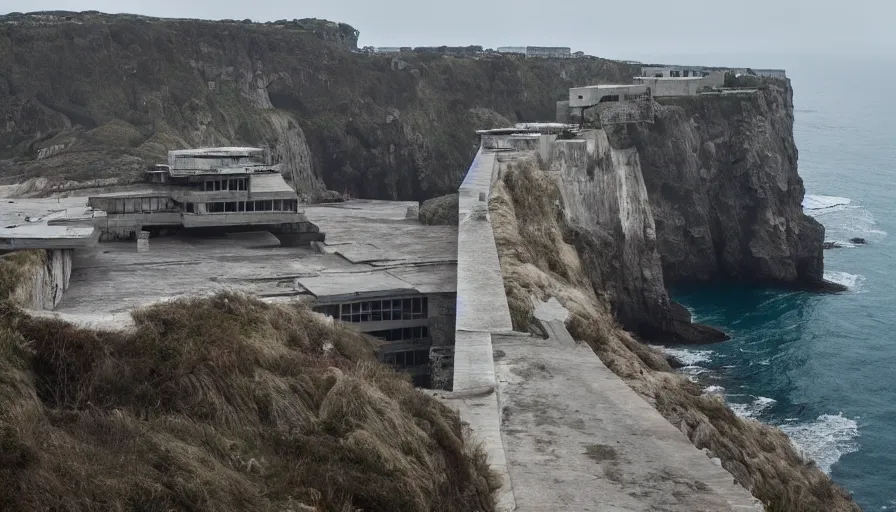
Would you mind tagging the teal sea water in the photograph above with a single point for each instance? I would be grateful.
(823, 367)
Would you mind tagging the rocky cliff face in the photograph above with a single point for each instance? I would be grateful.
(721, 175)
(87, 96)
(611, 224)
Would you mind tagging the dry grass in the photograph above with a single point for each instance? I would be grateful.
(537, 263)
(222, 404)
(14, 268)
(440, 211)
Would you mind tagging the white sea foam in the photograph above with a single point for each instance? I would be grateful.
(695, 370)
(826, 439)
(752, 409)
(813, 203)
(851, 281)
(714, 390)
(688, 357)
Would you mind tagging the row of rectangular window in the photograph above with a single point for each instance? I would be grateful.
(409, 358)
(378, 310)
(268, 205)
(229, 184)
(403, 334)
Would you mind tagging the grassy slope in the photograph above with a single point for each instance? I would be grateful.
(537, 262)
(221, 404)
(118, 91)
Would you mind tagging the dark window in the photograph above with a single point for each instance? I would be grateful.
(190, 208)
(250, 206)
(329, 310)
(230, 207)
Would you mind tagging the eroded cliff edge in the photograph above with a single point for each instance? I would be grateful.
(610, 222)
(721, 176)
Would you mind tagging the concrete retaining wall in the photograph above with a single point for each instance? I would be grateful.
(481, 310)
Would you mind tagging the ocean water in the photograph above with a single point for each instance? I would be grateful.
(823, 367)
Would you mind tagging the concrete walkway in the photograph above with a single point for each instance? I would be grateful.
(578, 438)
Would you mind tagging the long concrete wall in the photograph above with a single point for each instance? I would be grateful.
(481, 311)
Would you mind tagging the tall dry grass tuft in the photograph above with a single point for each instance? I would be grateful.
(14, 267)
(537, 264)
(226, 404)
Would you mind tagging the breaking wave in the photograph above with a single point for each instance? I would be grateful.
(813, 203)
(753, 408)
(824, 440)
(851, 281)
(686, 356)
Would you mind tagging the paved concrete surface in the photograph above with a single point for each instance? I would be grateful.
(577, 438)
(113, 277)
(376, 232)
(46, 224)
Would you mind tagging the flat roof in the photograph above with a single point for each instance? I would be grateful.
(268, 183)
(669, 78)
(46, 224)
(606, 86)
(371, 249)
(222, 151)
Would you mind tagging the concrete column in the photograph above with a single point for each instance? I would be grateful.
(143, 241)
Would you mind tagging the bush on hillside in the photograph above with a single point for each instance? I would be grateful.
(222, 404)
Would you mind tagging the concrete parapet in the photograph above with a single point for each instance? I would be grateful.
(481, 310)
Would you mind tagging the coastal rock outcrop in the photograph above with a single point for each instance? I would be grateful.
(721, 175)
(611, 224)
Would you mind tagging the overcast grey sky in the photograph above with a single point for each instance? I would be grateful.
(639, 30)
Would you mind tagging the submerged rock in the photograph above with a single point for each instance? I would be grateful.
(858, 241)
(832, 245)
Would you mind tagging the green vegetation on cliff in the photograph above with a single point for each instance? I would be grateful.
(221, 404)
(88, 95)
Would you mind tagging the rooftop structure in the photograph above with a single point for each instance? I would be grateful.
(46, 224)
(380, 271)
(683, 86)
(225, 189)
(555, 52)
(675, 71)
(614, 103)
